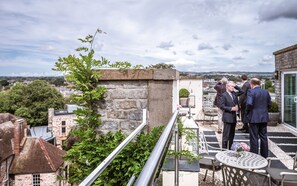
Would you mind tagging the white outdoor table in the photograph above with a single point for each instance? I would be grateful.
(246, 160)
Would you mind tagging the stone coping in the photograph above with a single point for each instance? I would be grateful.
(139, 74)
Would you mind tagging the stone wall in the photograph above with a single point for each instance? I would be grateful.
(131, 91)
(27, 179)
(124, 104)
(55, 125)
(285, 61)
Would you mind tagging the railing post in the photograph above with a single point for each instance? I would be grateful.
(150, 168)
(176, 178)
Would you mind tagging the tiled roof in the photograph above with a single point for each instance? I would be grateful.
(4, 117)
(6, 136)
(37, 156)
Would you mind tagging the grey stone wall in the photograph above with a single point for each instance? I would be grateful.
(123, 108)
(56, 127)
(131, 91)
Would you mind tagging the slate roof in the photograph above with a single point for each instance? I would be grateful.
(37, 156)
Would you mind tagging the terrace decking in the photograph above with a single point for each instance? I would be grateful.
(282, 143)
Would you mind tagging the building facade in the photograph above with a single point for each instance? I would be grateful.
(60, 123)
(286, 84)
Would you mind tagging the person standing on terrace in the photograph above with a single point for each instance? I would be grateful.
(242, 102)
(220, 87)
(258, 103)
(229, 104)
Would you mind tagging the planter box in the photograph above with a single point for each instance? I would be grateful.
(273, 118)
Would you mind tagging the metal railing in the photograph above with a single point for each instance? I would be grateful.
(96, 172)
(150, 169)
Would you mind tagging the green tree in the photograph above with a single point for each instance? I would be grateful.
(161, 66)
(4, 83)
(269, 86)
(4, 102)
(32, 101)
(91, 148)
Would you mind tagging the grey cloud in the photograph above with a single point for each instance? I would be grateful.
(283, 9)
(166, 45)
(238, 58)
(204, 46)
(227, 46)
(245, 51)
(194, 36)
(188, 52)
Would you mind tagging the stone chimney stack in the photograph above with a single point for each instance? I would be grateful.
(20, 134)
(17, 138)
(50, 117)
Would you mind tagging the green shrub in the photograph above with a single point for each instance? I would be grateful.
(184, 93)
(274, 107)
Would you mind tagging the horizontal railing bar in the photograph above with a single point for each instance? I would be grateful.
(150, 168)
(96, 172)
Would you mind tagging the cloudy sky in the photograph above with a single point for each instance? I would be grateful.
(194, 35)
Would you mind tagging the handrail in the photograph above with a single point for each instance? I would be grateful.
(150, 168)
(96, 172)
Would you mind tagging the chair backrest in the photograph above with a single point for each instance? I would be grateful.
(295, 161)
(242, 177)
(203, 148)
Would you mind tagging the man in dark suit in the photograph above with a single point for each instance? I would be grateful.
(242, 103)
(258, 103)
(229, 105)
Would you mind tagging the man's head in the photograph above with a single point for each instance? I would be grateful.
(244, 77)
(255, 82)
(230, 86)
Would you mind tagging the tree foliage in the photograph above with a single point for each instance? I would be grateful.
(31, 101)
(161, 66)
(91, 147)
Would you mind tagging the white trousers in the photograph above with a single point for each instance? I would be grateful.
(220, 121)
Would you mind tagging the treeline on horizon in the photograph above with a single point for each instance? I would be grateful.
(60, 81)
(54, 80)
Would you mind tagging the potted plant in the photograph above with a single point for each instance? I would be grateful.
(183, 97)
(273, 113)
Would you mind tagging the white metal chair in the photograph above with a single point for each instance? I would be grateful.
(236, 176)
(208, 161)
(286, 177)
(209, 114)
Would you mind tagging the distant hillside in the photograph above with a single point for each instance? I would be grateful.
(231, 75)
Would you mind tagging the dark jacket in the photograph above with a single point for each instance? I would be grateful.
(243, 97)
(258, 103)
(242, 101)
(226, 104)
(220, 88)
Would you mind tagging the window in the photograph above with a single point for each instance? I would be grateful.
(36, 179)
(63, 127)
